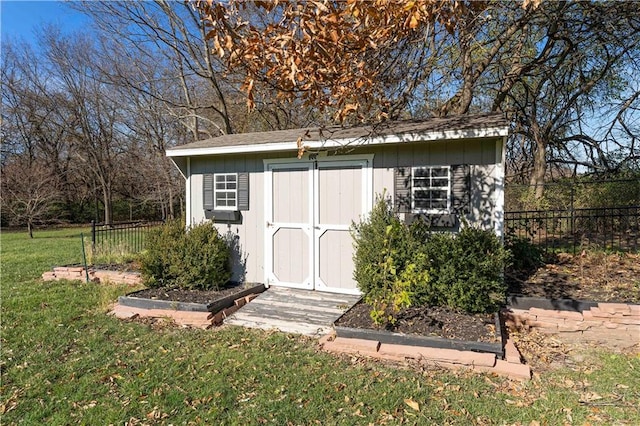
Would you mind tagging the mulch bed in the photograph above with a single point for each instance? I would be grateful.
(427, 321)
(189, 296)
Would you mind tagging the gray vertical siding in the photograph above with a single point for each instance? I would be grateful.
(250, 234)
(481, 156)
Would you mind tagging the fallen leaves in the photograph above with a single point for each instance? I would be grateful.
(586, 276)
(541, 351)
(411, 403)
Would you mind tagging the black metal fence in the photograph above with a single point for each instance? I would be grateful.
(609, 228)
(123, 237)
(575, 214)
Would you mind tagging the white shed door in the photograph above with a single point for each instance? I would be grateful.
(309, 208)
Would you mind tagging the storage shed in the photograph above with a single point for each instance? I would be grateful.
(289, 218)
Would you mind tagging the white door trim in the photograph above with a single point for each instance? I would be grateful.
(271, 227)
(314, 230)
(320, 229)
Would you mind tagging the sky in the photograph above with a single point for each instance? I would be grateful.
(19, 18)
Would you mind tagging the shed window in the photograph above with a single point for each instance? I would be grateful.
(225, 194)
(431, 189)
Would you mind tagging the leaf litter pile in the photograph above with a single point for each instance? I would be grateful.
(589, 276)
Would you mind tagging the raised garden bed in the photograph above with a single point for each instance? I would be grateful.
(426, 327)
(192, 301)
(516, 301)
(606, 322)
(188, 308)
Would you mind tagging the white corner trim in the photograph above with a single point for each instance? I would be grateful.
(188, 194)
(338, 143)
(500, 170)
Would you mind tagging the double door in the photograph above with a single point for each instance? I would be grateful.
(309, 209)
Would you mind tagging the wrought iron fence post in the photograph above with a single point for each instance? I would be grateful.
(93, 238)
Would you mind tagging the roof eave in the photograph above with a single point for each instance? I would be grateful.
(488, 132)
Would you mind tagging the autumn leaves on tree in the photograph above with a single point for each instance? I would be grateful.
(547, 65)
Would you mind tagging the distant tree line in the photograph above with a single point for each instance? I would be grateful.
(87, 117)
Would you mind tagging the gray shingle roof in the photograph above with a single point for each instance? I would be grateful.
(407, 127)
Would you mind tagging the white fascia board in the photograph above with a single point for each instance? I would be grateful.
(338, 143)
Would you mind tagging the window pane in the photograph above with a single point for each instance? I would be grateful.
(438, 194)
(422, 172)
(421, 183)
(421, 204)
(440, 182)
(439, 172)
(439, 204)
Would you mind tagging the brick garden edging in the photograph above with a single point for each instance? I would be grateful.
(199, 319)
(384, 336)
(501, 358)
(576, 320)
(95, 275)
(186, 314)
(511, 366)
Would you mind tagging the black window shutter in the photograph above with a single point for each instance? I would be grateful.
(243, 191)
(207, 191)
(461, 188)
(402, 189)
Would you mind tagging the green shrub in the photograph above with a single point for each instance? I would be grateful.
(398, 266)
(381, 248)
(160, 251)
(381, 263)
(393, 291)
(525, 256)
(466, 269)
(197, 258)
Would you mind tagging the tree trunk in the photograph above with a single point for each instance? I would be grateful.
(30, 228)
(108, 207)
(539, 168)
(171, 209)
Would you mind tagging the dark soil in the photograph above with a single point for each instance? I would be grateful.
(428, 321)
(189, 296)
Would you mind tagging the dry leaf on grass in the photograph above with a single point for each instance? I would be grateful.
(411, 403)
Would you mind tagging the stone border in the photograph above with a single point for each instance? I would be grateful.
(95, 275)
(422, 341)
(214, 306)
(511, 366)
(617, 323)
(526, 302)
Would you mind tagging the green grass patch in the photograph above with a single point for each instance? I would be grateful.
(64, 361)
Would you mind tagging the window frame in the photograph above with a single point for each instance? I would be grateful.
(415, 188)
(216, 191)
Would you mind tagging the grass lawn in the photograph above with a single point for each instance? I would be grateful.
(64, 361)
